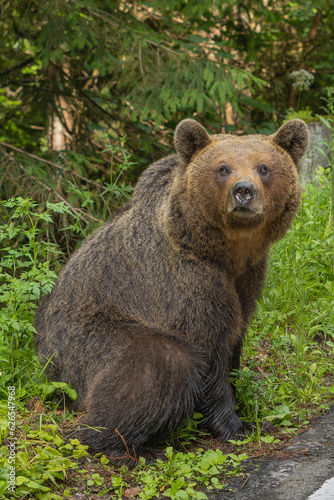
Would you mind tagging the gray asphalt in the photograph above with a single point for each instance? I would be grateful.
(308, 473)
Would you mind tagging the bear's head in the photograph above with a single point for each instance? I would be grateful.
(241, 182)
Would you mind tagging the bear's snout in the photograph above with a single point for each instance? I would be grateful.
(243, 193)
(245, 199)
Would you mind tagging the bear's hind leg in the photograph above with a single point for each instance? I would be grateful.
(142, 395)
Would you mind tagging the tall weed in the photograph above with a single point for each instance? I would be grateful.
(26, 274)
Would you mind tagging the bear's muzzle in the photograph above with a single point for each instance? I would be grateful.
(245, 199)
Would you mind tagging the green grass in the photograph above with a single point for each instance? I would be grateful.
(286, 375)
(290, 345)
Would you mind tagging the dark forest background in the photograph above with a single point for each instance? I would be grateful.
(91, 90)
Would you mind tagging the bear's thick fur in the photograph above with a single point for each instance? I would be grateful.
(148, 317)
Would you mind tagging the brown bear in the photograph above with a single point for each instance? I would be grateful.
(148, 317)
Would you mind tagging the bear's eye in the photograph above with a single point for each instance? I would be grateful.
(224, 170)
(263, 169)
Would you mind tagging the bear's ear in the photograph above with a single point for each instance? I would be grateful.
(189, 138)
(293, 138)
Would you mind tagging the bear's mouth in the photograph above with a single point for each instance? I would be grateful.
(244, 212)
(242, 209)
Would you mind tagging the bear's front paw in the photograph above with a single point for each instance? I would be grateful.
(227, 431)
(249, 428)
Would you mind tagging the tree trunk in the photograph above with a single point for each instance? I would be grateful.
(60, 125)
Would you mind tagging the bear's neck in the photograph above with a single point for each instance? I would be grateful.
(194, 238)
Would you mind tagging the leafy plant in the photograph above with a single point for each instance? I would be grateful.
(96, 480)
(183, 473)
(26, 275)
(303, 114)
(188, 432)
(88, 202)
(43, 460)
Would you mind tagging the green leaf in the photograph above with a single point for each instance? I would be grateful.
(37, 486)
(21, 480)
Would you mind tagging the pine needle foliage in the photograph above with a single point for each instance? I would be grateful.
(115, 63)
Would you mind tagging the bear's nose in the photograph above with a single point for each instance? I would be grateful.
(243, 192)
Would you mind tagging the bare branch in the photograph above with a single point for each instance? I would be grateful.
(48, 162)
(127, 449)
